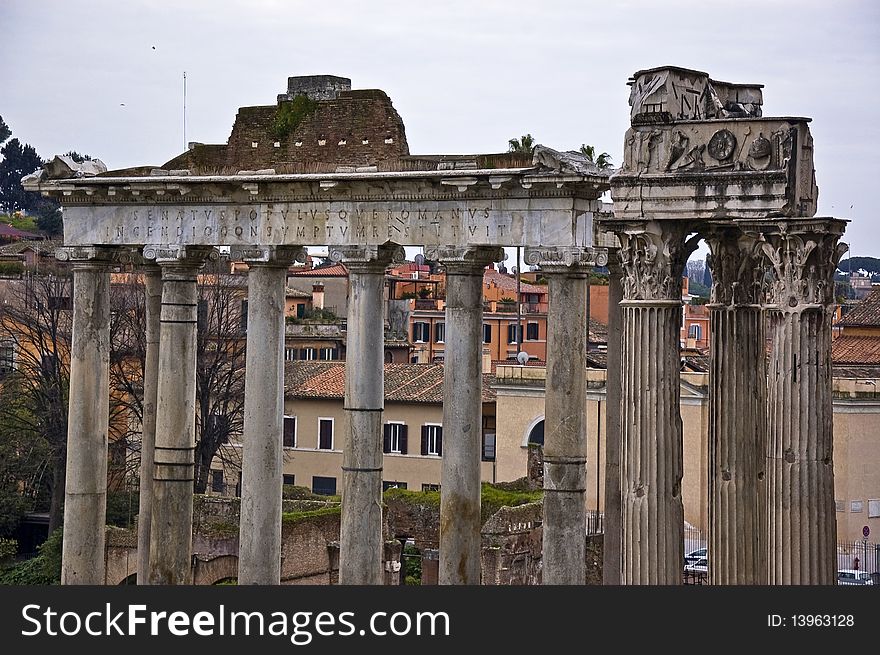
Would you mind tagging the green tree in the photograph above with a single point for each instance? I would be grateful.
(18, 160)
(5, 132)
(602, 160)
(524, 145)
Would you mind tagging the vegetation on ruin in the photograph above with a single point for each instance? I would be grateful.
(602, 160)
(44, 569)
(290, 114)
(289, 518)
(525, 145)
(493, 497)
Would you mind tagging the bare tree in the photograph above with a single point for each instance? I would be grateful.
(35, 325)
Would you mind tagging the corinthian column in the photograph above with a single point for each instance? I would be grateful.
(85, 496)
(259, 552)
(171, 526)
(462, 411)
(652, 254)
(803, 526)
(737, 431)
(565, 435)
(360, 548)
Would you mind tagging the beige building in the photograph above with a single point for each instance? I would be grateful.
(520, 408)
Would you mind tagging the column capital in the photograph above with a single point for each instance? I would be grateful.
(652, 258)
(464, 259)
(89, 255)
(180, 255)
(737, 266)
(269, 255)
(367, 258)
(803, 256)
(566, 259)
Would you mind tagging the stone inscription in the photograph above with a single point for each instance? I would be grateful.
(547, 221)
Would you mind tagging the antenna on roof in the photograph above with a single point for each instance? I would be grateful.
(184, 111)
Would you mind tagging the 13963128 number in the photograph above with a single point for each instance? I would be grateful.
(822, 620)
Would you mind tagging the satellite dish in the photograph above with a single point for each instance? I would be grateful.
(419, 259)
(522, 357)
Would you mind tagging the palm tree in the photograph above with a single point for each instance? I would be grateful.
(524, 145)
(602, 161)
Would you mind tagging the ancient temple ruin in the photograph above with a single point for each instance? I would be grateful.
(329, 166)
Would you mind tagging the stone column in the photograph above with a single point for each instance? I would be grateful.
(611, 538)
(565, 436)
(462, 411)
(85, 497)
(653, 254)
(360, 557)
(152, 277)
(259, 551)
(737, 419)
(171, 526)
(803, 526)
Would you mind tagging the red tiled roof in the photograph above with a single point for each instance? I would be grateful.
(508, 283)
(404, 383)
(9, 231)
(856, 350)
(866, 313)
(336, 270)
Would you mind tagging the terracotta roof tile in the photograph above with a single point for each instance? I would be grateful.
(336, 270)
(856, 350)
(866, 313)
(508, 283)
(404, 383)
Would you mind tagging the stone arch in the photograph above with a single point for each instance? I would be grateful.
(217, 569)
(537, 423)
(120, 564)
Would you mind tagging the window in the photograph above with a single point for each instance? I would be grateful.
(202, 316)
(394, 438)
(116, 453)
(432, 439)
(532, 332)
(439, 332)
(430, 487)
(325, 434)
(536, 436)
(839, 505)
(328, 354)
(243, 317)
(7, 357)
(487, 333)
(288, 479)
(301, 310)
(421, 332)
(514, 333)
(488, 446)
(60, 302)
(386, 485)
(857, 507)
(217, 481)
(873, 508)
(323, 486)
(289, 438)
(695, 331)
(290, 354)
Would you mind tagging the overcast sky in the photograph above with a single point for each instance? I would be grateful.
(106, 77)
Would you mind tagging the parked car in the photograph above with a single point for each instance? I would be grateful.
(694, 555)
(699, 565)
(853, 577)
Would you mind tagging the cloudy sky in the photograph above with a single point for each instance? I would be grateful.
(105, 77)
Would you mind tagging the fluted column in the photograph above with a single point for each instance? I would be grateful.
(85, 497)
(737, 423)
(152, 276)
(653, 254)
(613, 409)
(462, 411)
(565, 435)
(259, 551)
(803, 526)
(171, 528)
(360, 548)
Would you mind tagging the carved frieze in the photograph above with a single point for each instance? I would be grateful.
(803, 259)
(652, 258)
